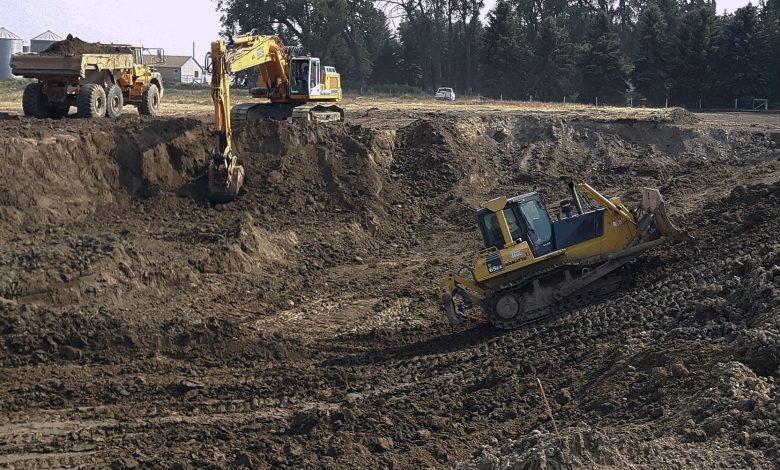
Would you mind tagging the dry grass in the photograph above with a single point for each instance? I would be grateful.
(189, 101)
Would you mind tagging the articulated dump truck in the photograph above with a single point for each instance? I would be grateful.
(96, 84)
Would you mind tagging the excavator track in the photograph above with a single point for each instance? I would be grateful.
(306, 112)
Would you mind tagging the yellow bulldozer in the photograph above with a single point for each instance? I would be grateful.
(293, 87)
(533, 268)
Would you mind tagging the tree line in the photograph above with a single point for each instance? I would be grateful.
(682, 51)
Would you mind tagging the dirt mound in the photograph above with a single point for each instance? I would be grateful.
(58, 174)
(682, 116)
(72, 45)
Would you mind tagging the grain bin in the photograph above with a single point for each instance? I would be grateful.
(42, 41)
(9, 44)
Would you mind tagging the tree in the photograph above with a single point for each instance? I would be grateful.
(693, 76)
(501, 56)
(469, 16)
(603, 69)
(551, 62)
(770, 24)
(651, 63)
(742, 57)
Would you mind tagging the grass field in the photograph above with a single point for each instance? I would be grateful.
(188, 100)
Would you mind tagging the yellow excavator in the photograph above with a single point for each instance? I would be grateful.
(533, 268)
(294, 87)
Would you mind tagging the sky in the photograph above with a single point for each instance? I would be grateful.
(171, 24)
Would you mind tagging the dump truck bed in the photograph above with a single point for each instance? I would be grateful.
(45, 67)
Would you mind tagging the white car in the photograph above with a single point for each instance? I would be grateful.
(445, 94)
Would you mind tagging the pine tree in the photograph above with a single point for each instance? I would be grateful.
(603, 69)
(551, 64)
(742, 57)
(770, 25)
(501, 54)
(651, 67)
(695, 45)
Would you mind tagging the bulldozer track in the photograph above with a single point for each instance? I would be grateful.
(571, 302)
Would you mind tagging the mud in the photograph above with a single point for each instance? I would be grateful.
(298, 326)
(72, 46)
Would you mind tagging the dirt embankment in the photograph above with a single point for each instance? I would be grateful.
(298, 326)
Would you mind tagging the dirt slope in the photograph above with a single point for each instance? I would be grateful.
(298, 326)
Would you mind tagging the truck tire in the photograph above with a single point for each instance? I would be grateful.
(91, 101)
(114, 101)
(150, 101)
(34, 102)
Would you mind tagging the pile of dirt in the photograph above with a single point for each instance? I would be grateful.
(70, 171)
(72, 46)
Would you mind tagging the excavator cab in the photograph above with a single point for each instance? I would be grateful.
(306, 72)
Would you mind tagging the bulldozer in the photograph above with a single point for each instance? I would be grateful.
(532, 268)
(294, 87)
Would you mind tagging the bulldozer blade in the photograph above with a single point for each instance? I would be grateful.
(654, 202)
(453, 314)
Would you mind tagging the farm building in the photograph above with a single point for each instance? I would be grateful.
(42, 41)
(9, 44)
(178, 69)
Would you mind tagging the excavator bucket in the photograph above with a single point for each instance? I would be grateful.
(225, 179)
(653, 202)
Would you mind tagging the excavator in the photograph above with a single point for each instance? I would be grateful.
(294, 87)
(533, 269)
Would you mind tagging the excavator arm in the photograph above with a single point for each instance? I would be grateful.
(266, 52)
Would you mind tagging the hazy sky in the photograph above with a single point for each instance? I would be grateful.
(171, 24)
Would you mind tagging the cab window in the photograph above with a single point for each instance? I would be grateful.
(538, 220)
(491, 231)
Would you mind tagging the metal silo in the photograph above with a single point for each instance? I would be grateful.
(42, 41)
(9, 44)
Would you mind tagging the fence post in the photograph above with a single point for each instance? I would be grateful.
(735, 102)
(666, 103)
(597, 101)
(564, 99)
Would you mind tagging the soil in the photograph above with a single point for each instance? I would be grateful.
(72, 46)
(299, 327)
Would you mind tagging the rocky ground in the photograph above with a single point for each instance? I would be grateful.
(299, 327)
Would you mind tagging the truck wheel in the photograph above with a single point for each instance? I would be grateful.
(114, 101)
(34, 102)
(91, 101)
(150, 101)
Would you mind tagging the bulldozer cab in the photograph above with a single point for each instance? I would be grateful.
(522, 218)
(305, 73)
